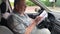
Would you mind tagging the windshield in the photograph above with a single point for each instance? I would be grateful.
(53, 5)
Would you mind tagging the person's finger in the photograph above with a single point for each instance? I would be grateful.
(38, 18)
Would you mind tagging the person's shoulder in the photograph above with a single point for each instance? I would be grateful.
(11, 16)
(25, 14)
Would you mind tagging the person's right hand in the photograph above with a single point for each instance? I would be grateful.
(37, 19)
(31, 26)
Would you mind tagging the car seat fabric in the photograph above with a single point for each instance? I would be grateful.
(5, 30)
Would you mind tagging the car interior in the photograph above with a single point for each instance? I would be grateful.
(52, 22)
(3, 28)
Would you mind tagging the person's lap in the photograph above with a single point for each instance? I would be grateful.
(42, 31)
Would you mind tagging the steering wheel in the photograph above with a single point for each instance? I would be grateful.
(44, 14)
(47, 22)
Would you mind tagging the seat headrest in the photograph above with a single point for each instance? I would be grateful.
(3, 7)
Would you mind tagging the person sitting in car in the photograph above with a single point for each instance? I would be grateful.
(20, 23)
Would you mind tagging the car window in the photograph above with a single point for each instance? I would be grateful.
(0, 10)
(12, 3)
(31, 7)
(53, 5)
(0, 1)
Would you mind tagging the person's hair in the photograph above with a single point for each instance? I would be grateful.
(20, 4)
(17, 2)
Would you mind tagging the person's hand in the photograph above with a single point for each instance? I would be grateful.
(37, 19)
(31, 26)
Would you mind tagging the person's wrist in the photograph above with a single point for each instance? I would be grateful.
(35, 21)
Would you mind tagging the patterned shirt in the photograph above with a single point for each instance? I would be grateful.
(19, 23)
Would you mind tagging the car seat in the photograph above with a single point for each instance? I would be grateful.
(3, 28)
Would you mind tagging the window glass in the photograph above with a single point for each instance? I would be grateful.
(0, 1)
(30, 6)
(53, 5)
